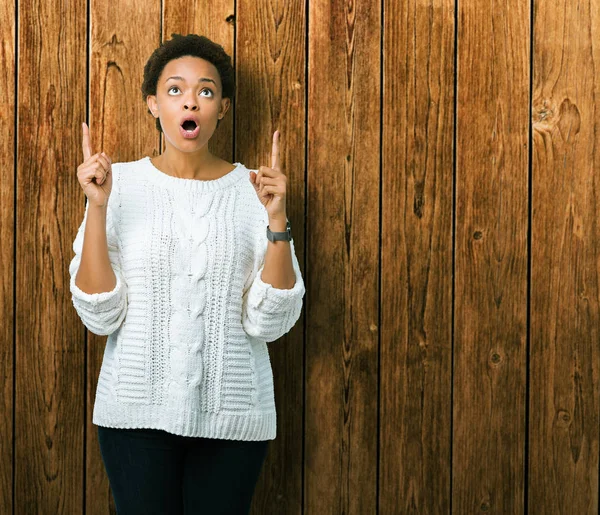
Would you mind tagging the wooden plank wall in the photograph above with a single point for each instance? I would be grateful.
(7, 249)
(443, 168)
(563, 423)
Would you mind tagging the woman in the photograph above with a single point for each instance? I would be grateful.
(175, 261)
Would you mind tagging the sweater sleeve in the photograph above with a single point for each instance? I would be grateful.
(268, 312)
(102, 313)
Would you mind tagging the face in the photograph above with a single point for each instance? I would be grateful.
(188, 86)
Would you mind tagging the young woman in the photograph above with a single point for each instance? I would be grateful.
(186, 262)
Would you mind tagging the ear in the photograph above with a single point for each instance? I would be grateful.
(152, 105)
(225, 103)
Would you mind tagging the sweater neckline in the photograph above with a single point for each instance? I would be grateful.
(194, 185)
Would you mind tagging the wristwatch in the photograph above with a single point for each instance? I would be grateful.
(280, 236)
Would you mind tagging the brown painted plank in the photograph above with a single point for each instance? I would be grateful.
(488, 445)
(270, 81)
(7, 221)
(563, 432)
(416, 267)
(119, 51)
(50, 348)
(342, 308)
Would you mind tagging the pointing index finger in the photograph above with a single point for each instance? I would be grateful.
(275, 152)
(87, 152)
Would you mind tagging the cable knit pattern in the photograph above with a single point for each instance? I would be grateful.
(190, 316)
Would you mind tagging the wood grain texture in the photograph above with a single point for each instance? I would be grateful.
(490, 333)
(443, 256)
(565, 256)
(8, 95)
(416, 258)
(342, 307)
(120, 126)
(270, 79)
(50, 350)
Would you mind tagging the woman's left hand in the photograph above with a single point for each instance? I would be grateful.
(270, 184)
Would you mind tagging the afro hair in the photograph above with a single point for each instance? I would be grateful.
(190, 45)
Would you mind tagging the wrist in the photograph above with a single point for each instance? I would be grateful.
(278, 224)
(98, 207)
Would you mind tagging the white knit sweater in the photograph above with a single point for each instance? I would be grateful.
(189, 317)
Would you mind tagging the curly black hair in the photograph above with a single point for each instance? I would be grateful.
(192, 45)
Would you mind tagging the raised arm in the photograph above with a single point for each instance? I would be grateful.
(97, 283)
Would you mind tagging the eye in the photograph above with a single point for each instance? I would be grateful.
(177, 88)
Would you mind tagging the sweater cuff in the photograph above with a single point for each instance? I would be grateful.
(98, 302)
(268, 299)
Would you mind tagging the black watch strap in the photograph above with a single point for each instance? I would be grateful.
(280, 236)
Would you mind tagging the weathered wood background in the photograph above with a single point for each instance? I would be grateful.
(444, 191)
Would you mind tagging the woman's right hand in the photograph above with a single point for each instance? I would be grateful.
(95, 173)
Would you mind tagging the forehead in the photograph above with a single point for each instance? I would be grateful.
(191, 69)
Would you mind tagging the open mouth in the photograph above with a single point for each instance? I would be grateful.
(189, 129)
(189, 125)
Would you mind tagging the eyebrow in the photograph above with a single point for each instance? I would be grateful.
(201, 79)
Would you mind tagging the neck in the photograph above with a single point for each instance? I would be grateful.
(187, 165)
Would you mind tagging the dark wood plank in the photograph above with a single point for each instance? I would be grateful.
(563, 431)
(488, 444)
(50, 348)
(8, 95)
(270, 73)
(119, 51)
(416, 259)
(342, 308)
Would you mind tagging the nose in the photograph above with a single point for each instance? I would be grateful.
(191, 103)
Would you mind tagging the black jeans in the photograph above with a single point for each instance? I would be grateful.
(152, 471)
